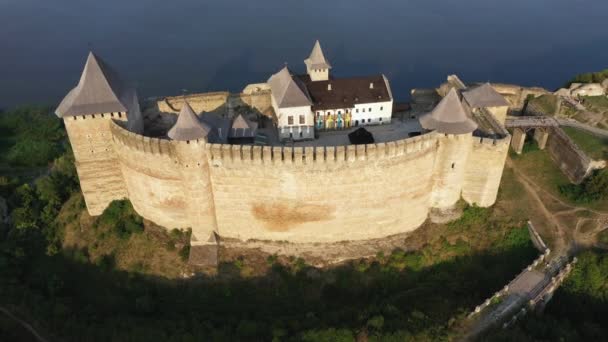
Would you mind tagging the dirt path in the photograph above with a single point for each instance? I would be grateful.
(24, 324)
(569, 234)
(532, 189)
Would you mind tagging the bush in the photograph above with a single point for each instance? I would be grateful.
(33, 135)
(589, 77)
(184, 253)
(328, 335)
(122, 218)
(593, 188)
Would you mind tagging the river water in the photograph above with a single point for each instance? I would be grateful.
(171, 47)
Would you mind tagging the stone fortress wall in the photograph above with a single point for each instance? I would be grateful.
(312, 194)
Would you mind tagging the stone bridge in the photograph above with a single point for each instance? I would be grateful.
(573, 162)
(532, 288)
(520, 125)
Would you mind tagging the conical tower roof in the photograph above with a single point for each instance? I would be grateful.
(99, 90)
(188, 126)
(449, 117)
(317, 60)
(240, 122)
(243, 128)
(484, 96)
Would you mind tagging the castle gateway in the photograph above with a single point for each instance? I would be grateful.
(202, 169)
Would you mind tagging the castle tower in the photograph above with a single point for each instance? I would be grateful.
(317, 66)
(99, 97)
(449, 118)
(190, 140)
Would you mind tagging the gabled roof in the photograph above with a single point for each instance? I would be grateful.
(347, 92)
(99, 90)
(484, 96)
(287, 90)
(449, 117)
(317, 60)
(188, 126)
(243, 128)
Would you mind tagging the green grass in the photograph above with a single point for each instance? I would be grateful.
(597, 103)
(538, 166)
(594, 147)
(545, 103)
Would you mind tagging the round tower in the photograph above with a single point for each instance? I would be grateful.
(189, 137)
(449, 118)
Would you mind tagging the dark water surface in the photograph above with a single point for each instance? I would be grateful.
(167, 46)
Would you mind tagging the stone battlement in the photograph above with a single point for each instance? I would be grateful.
(302, 156)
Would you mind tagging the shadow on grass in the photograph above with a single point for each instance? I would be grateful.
(81, 301)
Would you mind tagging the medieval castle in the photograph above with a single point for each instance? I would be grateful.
(275, 162)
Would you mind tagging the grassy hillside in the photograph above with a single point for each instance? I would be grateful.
(594, 147)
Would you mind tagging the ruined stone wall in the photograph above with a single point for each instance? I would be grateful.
(570, 159)
(484, 170)
(516, 95)
(222, 103)
(97, 164)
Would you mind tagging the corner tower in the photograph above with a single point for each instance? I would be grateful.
(449, 118)
(317, 66)
(87, 110)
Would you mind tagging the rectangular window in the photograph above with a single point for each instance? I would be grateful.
(370, 109)
(363, 110)
(381, 108)
(357, 110)
(302, 119)
(380, 119)
(290, 120)
(369, 120)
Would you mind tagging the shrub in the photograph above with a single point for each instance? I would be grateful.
(122, 218)
(184, 253)
(35, 136)
(593, 188)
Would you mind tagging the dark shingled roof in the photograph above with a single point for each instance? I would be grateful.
(346, 92)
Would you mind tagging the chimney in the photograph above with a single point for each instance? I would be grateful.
(328, 86)
(371, 85)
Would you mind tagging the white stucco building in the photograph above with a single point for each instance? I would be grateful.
(317, 101)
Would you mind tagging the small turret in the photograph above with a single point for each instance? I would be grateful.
(317, 66)
(188, 126)
(448, 117)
